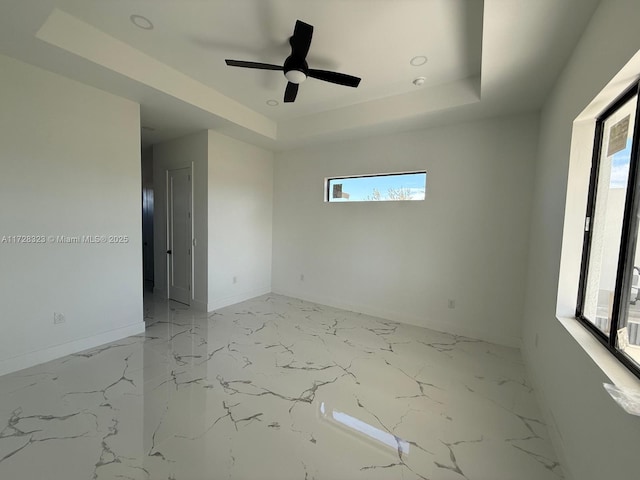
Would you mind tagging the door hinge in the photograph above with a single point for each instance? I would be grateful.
(587, 224)
(189, 177)
(189, 214)
(189, 251)
(189, 287)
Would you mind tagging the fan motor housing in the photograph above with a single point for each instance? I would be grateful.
(292, 66)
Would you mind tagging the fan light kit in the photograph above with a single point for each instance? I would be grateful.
(141, 22)
(295, 68)
(295, 76)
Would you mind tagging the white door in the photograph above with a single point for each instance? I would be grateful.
(179, 234)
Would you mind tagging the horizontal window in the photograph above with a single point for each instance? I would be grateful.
(386, 187)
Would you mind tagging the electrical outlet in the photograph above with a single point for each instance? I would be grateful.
(302, 277)
(235, 279)
(58, 318)
(452, 303)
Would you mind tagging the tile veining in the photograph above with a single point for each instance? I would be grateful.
(276, 388)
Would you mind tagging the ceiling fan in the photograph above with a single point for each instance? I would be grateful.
(295, 67)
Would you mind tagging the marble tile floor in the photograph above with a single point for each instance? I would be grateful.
(276, 388)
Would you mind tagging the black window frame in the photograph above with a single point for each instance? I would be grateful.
(328, 180)
(629, 234)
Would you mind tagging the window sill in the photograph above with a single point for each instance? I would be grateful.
(615, 371)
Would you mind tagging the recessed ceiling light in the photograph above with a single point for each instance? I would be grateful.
(418, 82)
(419, 60)
(141, 22)
(273, 103)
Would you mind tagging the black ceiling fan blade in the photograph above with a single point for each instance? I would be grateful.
(290, 92)
(301, 39)
(334, 77)
(258, 65)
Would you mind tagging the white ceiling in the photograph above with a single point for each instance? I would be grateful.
(484, 58)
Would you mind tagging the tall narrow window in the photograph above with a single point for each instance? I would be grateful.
(609, 294)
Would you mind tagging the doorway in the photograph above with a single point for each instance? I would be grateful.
(179, 235)
(147, 219)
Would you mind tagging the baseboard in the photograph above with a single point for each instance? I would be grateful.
(400, 317)
(30, 359)
(233, 299)
(547, 415)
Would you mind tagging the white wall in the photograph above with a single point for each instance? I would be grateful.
(594, 437)
(403, 260)
(180, 153)
(70, 157)
(240, 200)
